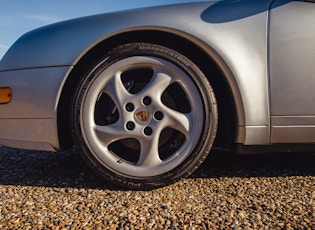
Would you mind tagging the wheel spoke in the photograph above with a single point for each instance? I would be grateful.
(149, 155)
(110, 133)
(179, 121)
(116, 90)
(158, 84)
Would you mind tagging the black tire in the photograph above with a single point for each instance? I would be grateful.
(144, 116)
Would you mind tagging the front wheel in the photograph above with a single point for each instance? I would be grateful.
(144, 116)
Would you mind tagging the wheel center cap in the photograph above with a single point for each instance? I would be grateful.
(143, 116)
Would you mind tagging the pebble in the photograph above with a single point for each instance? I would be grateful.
(42, 190)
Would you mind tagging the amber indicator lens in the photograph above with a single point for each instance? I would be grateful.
(5, 95)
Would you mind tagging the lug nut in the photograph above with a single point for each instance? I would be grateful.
(130, 125)
(148, 131)
(130, 107)
(146, 100)
(158, 115)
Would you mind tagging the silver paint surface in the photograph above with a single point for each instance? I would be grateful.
(29, 120)
(234, 33)
(292, 72)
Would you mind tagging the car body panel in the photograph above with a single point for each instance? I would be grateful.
(35, 92)
(293, 129)
(292, 72)
(233, 33)
(30, 120)
(38, 134)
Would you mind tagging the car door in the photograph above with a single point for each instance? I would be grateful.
(292, 71)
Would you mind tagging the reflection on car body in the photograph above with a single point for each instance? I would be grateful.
(145, 94)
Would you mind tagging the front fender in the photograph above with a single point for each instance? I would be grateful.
(64, 43)
(239, 39)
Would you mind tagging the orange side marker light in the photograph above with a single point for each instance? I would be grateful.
(5, 95)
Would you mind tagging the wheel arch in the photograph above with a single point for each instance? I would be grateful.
(231, 110)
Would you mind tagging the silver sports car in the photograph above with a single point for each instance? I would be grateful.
(145, 94)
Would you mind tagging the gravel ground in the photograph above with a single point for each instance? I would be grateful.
(42, 190)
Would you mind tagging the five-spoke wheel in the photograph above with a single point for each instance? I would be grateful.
(145, 116)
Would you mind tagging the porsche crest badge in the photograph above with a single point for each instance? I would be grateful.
(143, 116)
